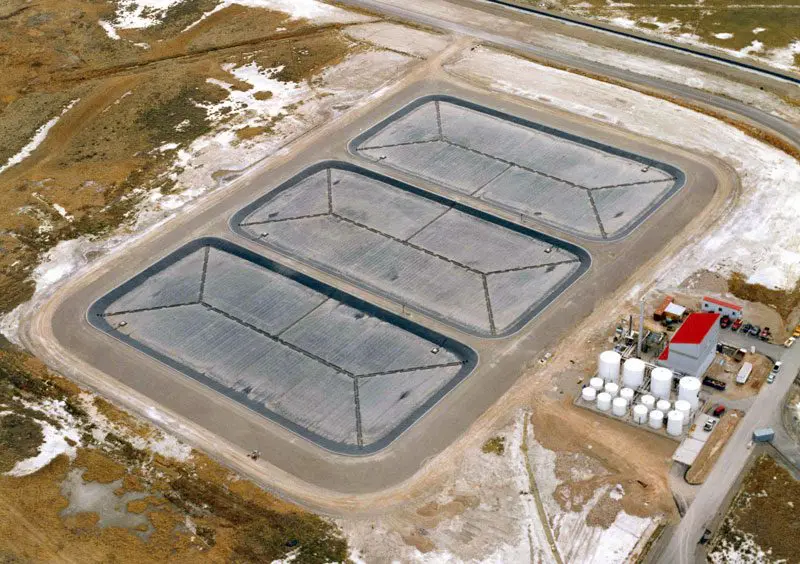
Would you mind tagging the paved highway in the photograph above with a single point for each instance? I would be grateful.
(501, 27)
(640, 37)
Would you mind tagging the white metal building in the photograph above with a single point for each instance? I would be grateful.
(693, 347)
(715, 305)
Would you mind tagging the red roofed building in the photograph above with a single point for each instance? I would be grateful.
(715, 305)
(693, 347)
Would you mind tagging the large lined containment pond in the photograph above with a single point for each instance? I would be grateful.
(332, 368)
(472, 270)
(587, 188)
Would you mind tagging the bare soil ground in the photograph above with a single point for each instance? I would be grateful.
(100, 158)
(708, 456)
(785, 302)
(728, 371)
(762, 517)
(197, 510)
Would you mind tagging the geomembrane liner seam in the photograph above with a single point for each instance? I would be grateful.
(676, 174)
(238, 223)
(97, 317)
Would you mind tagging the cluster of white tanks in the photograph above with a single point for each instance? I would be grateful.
(655, 406)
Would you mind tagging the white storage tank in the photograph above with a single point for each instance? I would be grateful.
(608, 366)
(656, 419)
(689, 390)
(684, 407)
(639, 414)
(589, 394)
(663, 405)
(619, 407)
(661, 382)
(603, 401)
(597, 384)
(674, 423)
(633, 373)
(612, 389)
(649, 401)
(627, 393)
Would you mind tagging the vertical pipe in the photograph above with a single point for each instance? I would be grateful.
(641, 328)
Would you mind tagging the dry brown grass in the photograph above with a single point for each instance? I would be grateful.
(131, 100)
(765, 509)
(233, 519)
(784, 301)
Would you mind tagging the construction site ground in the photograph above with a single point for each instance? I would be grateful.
(581, 474)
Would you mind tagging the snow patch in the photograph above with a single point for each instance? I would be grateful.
(63, 212)
(723, 35)
(109, 29)
(784, 58)
(56, 440)
(156, 442)
(37, 139)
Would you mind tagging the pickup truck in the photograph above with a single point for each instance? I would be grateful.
(714, 383)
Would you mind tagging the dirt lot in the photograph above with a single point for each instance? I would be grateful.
(124, 102)
(185, 508)
(761, 524)
(727, 373)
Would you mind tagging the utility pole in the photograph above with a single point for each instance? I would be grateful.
(641, 328)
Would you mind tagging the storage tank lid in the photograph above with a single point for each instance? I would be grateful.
(656, 414)
(675, 415)
(683, 405)
(634, 364)
(610, 356)
(620, 401)
(661, 373)
(689, 383)
(604, 396)
(640, 409)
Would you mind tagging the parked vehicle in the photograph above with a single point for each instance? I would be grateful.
(746, 328)
(714, 383)
(763, 435)
(765, 334)
(724, 321)
(755, 330)
(789, 342)
(796, 333)
(719, 411)
(737, 324)
(710, 424)
(706, 537)
(775, 370)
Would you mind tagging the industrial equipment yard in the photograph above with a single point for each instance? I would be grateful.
(442, 281)
(451, 294)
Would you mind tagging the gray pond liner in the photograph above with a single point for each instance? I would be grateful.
(332, 368)
(469, 269)
(584, 187)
